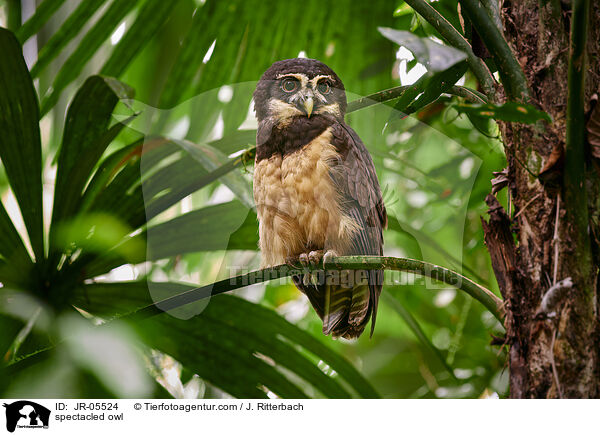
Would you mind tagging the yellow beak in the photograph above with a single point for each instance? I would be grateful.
(308, 106)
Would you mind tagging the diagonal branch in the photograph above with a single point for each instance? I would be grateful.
(512, 75)
(488, 299)
(468, 94)
(454, 38)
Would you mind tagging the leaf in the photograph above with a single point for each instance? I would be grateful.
(110, 167)
(220, 355)
(68, 30)
(246, 236)
(186, 69)
(207, 229)
(225, 352)
(172, 182)
(86, 137)
(235, 141)
(42, 14)
(426, 90)
(150, 18)
(485, 126)
(97, 233)
(20, 147)
(435, 57)
(412, 245)
(10, 241)
(511, 112)
(116, 187)
(416, 329)
(123, 197)
(90, 43)
(219, 227)
(418, 237)
(402, 10)
(438, 84)
(212, 159)
(18, 264)
(111, 354)
(235, 111)
(13, 351)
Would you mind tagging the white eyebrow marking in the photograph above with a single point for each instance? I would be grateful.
(316, 79)
(300, 77)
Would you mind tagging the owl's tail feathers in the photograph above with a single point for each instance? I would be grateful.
(344, 302)
(337, 301)
(361, 303)
(375, 286)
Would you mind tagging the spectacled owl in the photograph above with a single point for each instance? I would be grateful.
(316, 191)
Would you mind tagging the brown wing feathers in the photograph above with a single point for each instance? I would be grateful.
(365, 205)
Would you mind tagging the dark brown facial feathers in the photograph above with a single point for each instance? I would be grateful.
(293, 136)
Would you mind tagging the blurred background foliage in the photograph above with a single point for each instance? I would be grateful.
(144, 105)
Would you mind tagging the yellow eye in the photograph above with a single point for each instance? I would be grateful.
(324, 87)
(289, 85)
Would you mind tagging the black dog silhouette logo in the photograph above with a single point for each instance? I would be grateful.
(26, 414)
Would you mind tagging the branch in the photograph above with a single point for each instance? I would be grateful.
(575, 197)
(493, 10)
(468, 94)
(471, 95)
(511, 72)
(488, 299)
(376, 98)
(454, 38)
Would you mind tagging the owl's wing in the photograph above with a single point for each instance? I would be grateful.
(355, 176)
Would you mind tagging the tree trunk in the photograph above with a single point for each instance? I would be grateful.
(553, 336)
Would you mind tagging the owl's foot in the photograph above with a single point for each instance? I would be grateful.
(304, 259)
(292, 261)
(310, 260)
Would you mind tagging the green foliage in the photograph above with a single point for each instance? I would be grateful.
(511, 111)
(21, 150)
(134, 205)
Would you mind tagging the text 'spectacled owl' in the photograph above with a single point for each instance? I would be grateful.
(316, 191)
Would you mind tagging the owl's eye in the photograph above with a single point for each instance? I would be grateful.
(289, 85)
(324, 87)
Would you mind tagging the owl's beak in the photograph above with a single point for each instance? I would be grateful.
(308, 106)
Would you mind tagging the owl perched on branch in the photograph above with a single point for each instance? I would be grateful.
(316, 191)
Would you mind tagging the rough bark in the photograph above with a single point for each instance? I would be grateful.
(555, 353)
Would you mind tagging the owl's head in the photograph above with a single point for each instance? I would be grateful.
(299, 87)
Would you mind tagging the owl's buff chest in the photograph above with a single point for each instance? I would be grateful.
(298, 205)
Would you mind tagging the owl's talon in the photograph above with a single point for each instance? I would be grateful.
(329, 256)
(315, 257)
(303, 259)
(307, 279)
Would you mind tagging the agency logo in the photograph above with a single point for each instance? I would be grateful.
(26, 414)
